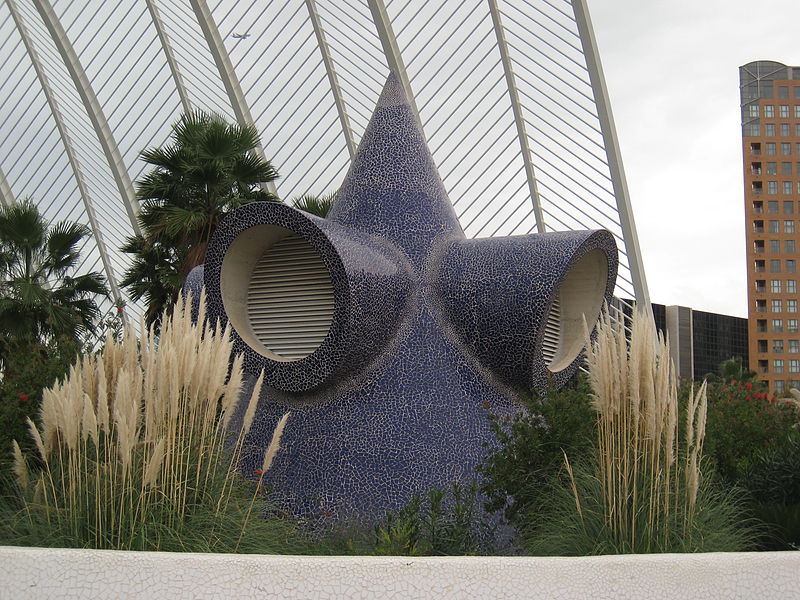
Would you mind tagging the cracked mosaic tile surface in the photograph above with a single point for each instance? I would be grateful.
(430, 331)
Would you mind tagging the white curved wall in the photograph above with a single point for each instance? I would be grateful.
(35, 573)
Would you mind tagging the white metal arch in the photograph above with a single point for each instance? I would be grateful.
(72, 156)
(228, 75)
(93, 109)
(510, 94)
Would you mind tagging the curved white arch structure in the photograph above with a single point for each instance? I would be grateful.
(510, 94)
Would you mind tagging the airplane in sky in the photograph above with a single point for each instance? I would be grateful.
(240, 36)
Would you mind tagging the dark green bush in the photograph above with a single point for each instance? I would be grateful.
(531, 447)
(26, 374)
(773, 482)
(445, 522)
(743, 422)
(719, 523)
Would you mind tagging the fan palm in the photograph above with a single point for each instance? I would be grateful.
(207, 170)
(41, 299)
(316, 205)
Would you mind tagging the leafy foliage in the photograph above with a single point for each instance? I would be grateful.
(209, 169)
(531, 448)
(445, 522)
(133, 453)
(563, 529)
(743, 422)
(21, 394)
(42, 300)
(316, 205)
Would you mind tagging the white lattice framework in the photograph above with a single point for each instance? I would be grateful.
(510, 94)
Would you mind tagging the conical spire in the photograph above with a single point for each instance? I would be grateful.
(393, 188)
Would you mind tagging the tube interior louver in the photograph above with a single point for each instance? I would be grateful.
(552, 332)
(579, 298)
(290, 299)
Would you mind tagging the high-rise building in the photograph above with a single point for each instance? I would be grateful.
(770, 103)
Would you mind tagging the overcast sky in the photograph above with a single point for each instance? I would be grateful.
(671, 68)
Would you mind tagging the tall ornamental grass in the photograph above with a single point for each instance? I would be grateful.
(134, 451)
(644, 490)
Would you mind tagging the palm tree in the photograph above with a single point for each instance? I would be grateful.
(207, 170)
(316, 205)
(41, 299)
(155, 275)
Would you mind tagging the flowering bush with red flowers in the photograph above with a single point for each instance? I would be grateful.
(24, 377)
(743, 420)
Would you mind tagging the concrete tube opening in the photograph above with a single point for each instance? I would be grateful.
(581, 293)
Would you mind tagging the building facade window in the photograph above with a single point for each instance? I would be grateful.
(772, 187)
(774, 226)
(783, 111)
(791, 286)
(772, 207)
(769, 129)
(797, 129)
(794, 345)
(774, 266)
(779, 386)
(783, 91)
(777, 306)
(788, 207)
(777, 346)
(789, 246)
(769, 111)
(786, 149)
(761, 306)
(791, 265)
(794, 366)
(786, 168)
(791, 327)
(788, 227)
(774, 246)
(772, 168)
(787, 187)
(771, 149)
(791, 306)
(797, 109)
(785, 130)
(777, 325)
(752, 110)
(775, 286)
(777, 365)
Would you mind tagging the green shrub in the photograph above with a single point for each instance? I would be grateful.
(134, 453)
(442, 523)
(773, 482)
(531, 447)
(561, 529)
(743, 422)
(26, 375)
(643, 490)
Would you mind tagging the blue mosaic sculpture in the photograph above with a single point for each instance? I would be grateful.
(387, 333)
